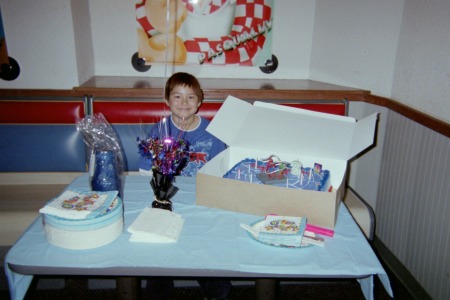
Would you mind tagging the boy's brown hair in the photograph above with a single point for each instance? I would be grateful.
(183, 79)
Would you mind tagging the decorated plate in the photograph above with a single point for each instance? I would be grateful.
(258, 225)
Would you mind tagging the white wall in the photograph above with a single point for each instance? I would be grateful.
(354, 44)
(40, 36)
(422, 65)
(84, 48)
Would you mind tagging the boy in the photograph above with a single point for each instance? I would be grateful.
(184, 96)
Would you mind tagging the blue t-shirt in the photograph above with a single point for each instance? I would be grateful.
(203, 145)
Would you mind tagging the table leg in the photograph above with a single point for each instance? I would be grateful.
(127, 288)
(266, 289)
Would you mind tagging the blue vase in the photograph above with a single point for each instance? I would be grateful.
(106, 176)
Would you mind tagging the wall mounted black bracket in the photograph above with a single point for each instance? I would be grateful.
(10, 71)
(138, 63)
(270, 66)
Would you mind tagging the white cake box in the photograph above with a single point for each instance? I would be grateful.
(262, 129)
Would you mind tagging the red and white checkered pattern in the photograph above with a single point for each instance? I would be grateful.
(213, 6)
(250, 15)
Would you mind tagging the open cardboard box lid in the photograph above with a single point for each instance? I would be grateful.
(278, 128)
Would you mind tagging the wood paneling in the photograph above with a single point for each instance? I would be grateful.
(413, 201)
(219, 89)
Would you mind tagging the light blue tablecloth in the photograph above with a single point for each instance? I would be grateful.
(211, 244)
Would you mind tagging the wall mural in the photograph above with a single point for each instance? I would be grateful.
(205, 32)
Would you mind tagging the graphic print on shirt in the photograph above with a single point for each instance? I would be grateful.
(198, 156)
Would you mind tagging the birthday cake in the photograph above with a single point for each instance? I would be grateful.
(100, 219)
(275, 172)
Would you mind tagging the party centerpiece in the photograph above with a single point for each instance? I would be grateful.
(169, 156)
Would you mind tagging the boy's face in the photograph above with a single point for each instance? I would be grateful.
(183, 102)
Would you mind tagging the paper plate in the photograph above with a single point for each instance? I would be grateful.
(259, 224)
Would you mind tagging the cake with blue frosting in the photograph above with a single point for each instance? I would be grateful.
(275, 172)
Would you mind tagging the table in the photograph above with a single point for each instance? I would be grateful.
(211, 244)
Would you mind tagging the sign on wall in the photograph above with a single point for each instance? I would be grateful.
(205, 32)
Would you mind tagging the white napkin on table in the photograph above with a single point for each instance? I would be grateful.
(155, 225)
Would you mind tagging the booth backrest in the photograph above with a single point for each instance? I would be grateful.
(143, 112)
(40, 136)
(132, 119)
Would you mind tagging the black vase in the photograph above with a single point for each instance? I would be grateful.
(106, 176)
(163, 190)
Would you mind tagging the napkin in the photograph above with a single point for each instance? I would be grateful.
(155, 225)
(76, 204)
